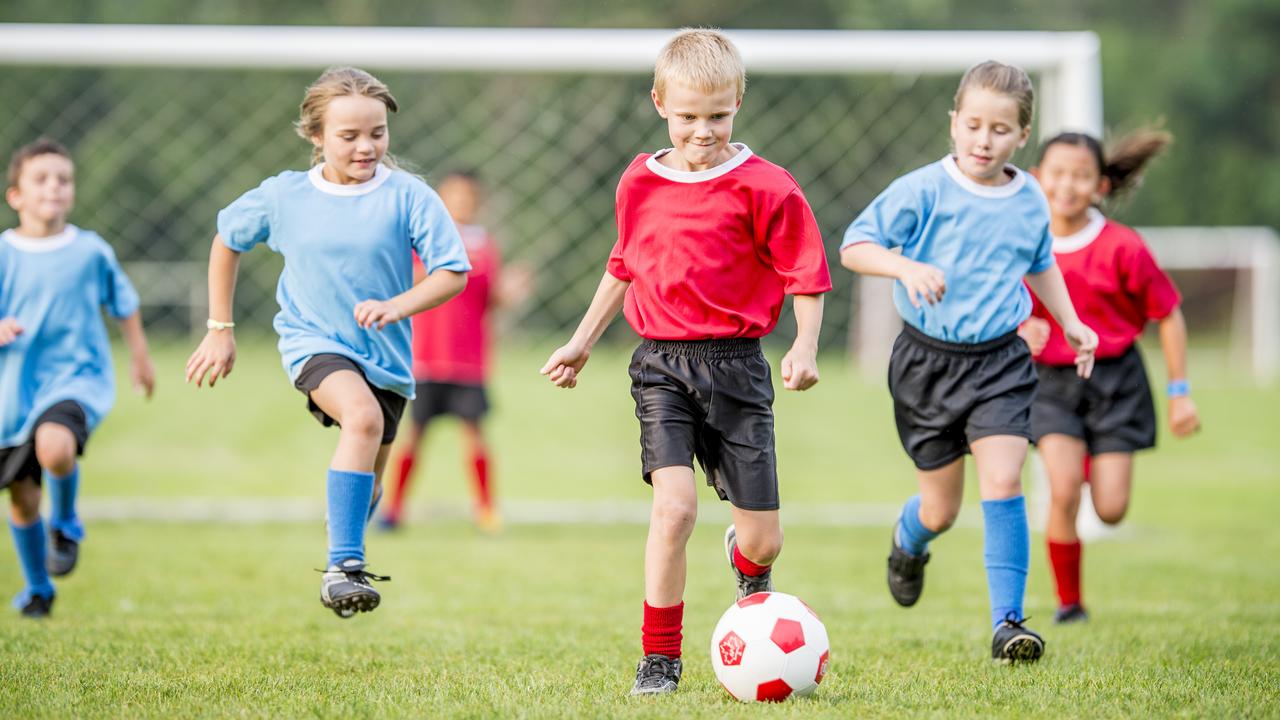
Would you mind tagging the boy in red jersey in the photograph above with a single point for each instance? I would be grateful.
(451, 351)
(1118, 287)
(710, 239)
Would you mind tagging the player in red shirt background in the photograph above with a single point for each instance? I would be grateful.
(452, 346)
(1117, 287)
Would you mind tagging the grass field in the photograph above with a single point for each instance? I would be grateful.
(165, 619)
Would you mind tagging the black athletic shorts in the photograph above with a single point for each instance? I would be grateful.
(468, 402)
(19, 463)
(1112, 411)
(711, 400)
(947, 395)
(322, 366)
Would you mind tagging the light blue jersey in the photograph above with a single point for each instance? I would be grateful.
(343, 244)
(56, 288)
(985, 239)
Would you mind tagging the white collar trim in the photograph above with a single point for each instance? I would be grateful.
(696, 176)
(1008, 189)
(1081, 238)
(44, 244)
(380, 175)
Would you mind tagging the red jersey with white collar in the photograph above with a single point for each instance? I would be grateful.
(451, 341)
(712, 253)
(1115, 285)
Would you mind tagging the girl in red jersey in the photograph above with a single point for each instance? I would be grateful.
(1117, 286)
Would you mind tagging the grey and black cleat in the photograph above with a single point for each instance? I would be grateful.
(747, 584)
(906, 573)
(1013, 643)
(345, 588)
(37, 606)
(63, 553)
(657, 675)
(1073, 613)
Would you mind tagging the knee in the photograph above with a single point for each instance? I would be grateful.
(938, 519)
(761, 548)
(673, 520)
(364, 419)
(56, 451)
(1065, 499)
(1112, 512)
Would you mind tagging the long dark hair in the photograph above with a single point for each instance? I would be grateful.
(1124, 161)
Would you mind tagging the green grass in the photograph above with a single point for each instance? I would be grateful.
(170, 620)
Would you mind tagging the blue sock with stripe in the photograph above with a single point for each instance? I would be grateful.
(349, 496)
(62, 503)
(1007, 555)
(32, 547)
(913, 536)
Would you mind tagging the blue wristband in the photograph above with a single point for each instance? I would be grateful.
(1179, 388)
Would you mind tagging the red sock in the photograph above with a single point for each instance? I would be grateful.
(480, 464)
(396, 502)
(745, 566)
(1065, 559)
(1087, 469)
(660, 633)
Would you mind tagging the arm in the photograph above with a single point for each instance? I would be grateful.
(1052, 291)
(922, 281)
(800, 364)
(216, 354)
(438, 287)
(141, 370)
(565, 363)
(1184, 419)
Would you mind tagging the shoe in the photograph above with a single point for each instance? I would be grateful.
(388, 523)
(1073, 613)
(1013, 643)
(906, 573)
(345, 588)
(36, 607)
(488, 521)
(657, 675)
(63, 553)
(747, 584)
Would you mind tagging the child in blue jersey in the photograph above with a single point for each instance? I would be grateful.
(56, 379)
(970, 228)
(345, 229)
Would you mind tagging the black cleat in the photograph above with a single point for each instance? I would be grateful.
(1013, 643)
(345, 588)
(747, 584)
(657, 675)
(906, 573)
(63, 553)
(1073, 613)
(37, 607)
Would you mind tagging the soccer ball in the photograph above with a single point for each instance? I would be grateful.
(768, 647)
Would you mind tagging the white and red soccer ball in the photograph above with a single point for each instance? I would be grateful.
(768, 647)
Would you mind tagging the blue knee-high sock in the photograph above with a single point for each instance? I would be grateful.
(1007, 555)
(349, 497)
(31, 543)
(913, 536)
(62, 503)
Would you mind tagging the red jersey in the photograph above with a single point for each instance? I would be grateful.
(711, 254)
(451, 341)
(1115, 284)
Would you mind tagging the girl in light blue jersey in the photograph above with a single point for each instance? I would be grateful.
(970, 228)
(56, 379)
(345, 229)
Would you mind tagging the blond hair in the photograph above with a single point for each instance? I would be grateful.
(1006, 79)
(705, 60)
(338, 82)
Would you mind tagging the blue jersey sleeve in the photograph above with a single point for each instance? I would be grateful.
(1043, 259)
(118, 295)
(891, 220)
(247, 221)
(435, 238)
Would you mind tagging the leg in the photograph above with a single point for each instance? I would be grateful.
(923, 518)
(56, 452)
(751, 544)
(675, 509)
(345, 397)
(31, 544)
(1064, 459)
(1111, 481)
(379, 467)
(404, 471)
(479, 453)
(1007, 537)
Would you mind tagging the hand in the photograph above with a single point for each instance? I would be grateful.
(9, 330)
(377, 314)
(1084, 341)
(1183, 417)
(800, 368)
(216, 356)
(1035, 332)
(923, 282)
(143, 374)
(565, 363)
